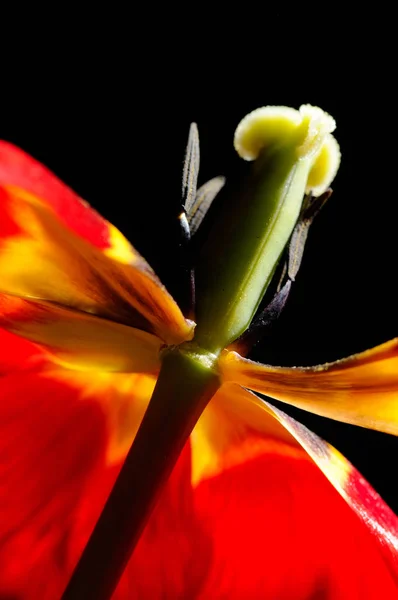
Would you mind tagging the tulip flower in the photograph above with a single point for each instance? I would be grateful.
(215, 492)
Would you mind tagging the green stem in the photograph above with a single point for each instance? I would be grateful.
(186, 383)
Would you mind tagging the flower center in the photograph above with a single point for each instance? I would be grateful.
(294, 153)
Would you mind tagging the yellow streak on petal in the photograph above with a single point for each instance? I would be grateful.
(39, 262)
(338, 469)
(235, 429)
(123, 398)
(120, 248)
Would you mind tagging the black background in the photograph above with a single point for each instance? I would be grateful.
(109, 113)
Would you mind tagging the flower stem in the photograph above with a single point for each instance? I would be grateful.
(186, 383)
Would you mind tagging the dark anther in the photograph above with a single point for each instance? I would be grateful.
(191, 169)
(195, 204)
(263, 322)
(190, 173)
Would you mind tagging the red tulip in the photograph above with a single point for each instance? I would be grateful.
(247, 511)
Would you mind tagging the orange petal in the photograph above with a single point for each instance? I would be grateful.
(79, 340)
(40, 258)
(277, 526)
(361, 389)
(20, 170)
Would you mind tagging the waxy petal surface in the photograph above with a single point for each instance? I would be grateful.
(361, 389)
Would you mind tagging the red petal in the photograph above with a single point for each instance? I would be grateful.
(21, 170)
(55, 475)
(174, 554)
(268, 527)
(15, 352)
(49, 442)
(61, 440)
(279, 529)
